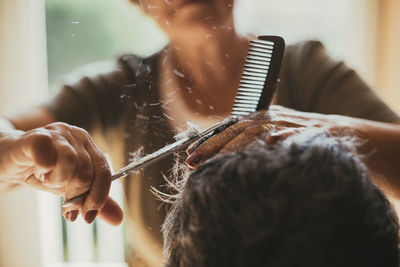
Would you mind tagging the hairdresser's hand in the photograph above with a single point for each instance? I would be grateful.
(272, 126)
(64, 160)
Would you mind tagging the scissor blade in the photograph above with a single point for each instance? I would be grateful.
(155, 156)
(168, 150)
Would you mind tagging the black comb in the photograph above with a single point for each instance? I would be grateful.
(255, 92)
(259, 76)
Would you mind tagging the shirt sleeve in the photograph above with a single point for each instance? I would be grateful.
(96, 101)
(312, 81)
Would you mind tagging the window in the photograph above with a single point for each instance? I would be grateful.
(347, 28)
(297, 20)
(82, 32)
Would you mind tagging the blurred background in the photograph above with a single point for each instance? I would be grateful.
(44, 43)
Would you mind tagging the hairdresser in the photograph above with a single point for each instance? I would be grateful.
(143, 102)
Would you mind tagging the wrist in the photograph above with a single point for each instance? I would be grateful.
(7, 128)
(6, 124)
(343, 125)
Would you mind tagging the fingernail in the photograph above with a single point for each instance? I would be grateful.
(72, 215)
(194, 159)
(196, 144)
(91, 215)
(192, 148)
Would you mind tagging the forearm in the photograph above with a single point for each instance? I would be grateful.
(380, 152)
(31, 119)
(6, 128)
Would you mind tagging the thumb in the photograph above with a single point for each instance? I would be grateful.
(42, 150)
(34, 148)
(111, 212)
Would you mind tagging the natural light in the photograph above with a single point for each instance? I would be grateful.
(48, 40)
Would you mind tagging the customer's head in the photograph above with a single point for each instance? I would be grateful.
(306, 202)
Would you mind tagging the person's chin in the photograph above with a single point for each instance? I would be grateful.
(184, 3)
(196, 14)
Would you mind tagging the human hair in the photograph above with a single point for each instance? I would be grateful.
(299, 203)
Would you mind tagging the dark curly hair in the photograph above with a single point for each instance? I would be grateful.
(301, 203)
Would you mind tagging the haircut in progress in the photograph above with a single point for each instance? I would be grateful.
(308, 201)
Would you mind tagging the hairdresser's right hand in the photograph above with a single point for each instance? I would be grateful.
(64, 160)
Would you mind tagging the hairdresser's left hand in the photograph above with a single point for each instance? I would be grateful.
(272, 126)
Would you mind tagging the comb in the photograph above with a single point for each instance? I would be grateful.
(259, 76)
(255, 92)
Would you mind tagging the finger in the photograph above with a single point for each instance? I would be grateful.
(33, 182)
(100, 186)
(35, 147)
(200, 141)
(297, 117)
(111, 212)
(278, 108)
(280, 112)
(247, 137)
(78, 184)
(261, 115)
(43, 151)
(72, 211)
(280, 136)
(67, 163)
(81, 180)
(215, 143)
(71, 215)
(287, 124)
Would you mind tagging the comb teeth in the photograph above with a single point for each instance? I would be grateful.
(253, 77)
